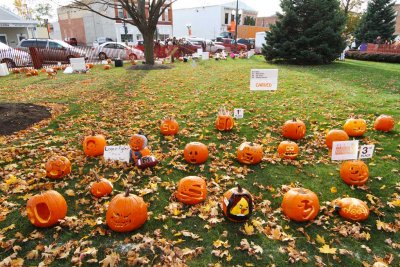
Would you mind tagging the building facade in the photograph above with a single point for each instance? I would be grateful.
(266, 21)
(397, 8)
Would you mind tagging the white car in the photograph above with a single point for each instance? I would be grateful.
(209, 45)
(13, 57)
(116, 50)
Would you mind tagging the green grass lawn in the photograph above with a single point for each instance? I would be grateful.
(117, 103)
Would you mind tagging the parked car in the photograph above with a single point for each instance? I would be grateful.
(71, 40)
(230, 45)
(207, 45)
(102, 40)
(116, 50)
(53, 51)
(247, 42)
(13, 58)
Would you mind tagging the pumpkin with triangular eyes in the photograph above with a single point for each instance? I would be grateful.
(354, 172)
(300, 204)
(249, 153)
(195, 153)
(58, 167)
(237, 204)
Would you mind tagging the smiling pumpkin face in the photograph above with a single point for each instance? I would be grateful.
(94, 145)
(300, 204)
(138, 142)
(195, 153)
(288, 150)
(354, 172)
(355, 127)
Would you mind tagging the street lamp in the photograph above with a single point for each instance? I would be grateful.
(237, 12)
(125, 30)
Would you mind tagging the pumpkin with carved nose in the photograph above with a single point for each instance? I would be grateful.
(288, 150)
(354, 172)
(300, 204)
(191, 190)
(249, 153)
(195, 153)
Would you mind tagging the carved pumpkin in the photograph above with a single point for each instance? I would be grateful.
(106, 67)
(101, 188)
(224, 121)
(191, 190)
(384, 123)
(58, 167)
(355, 127)
(94, 145)
(300, 204)
(196, 153)
(169, 127)
(294, 129)
(354, 172)
(237, 204)
(140, 154)
(126, 212)
(46, 209)
(335, 136)
(138, 141)
(352, 208)
(288, 150)
(249, 153)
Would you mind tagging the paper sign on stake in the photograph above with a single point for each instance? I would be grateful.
(366, 151)
(238, 113)
(345, 150)
(264, 80)
(117, 153)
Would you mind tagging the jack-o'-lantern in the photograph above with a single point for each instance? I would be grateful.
(224, 120)
(191, 190)
(94, 145)
(101, 188)
(107, 67)
(140, 154)
(58, 167)
(138, 141)
(196, 153)
(294, 129)
(169, 127)
(384, 123)
(355, 127)
(46, 209)
(335, 136)
(354, 172)
(288, 150)
(300, 204)
(237, 204)
(126, 212)
(352, 208)
(249, 153)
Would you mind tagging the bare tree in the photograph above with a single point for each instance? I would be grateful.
(144, 14)
(351, 5)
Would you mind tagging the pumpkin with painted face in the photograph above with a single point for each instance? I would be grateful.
(288, 150)
(249, 153)
(94, 145)
(191, 190)
(335, 136)
(169, 127)
(101, 188)
(300, 204)
(384, 123)
(224, 121)
(352, 208)
(46, 209)
(237, 204)
(354, 172)
(195, 153)
(126, 212)
(138, 141)
(294, 129)
(355, 127)
(58, 167)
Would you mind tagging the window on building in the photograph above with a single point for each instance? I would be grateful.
(120, 13)
(167, 14)
(226, 18)
(232, 17)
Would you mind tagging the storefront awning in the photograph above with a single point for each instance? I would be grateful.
(18, 23)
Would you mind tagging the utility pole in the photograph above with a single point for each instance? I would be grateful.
(237, 22)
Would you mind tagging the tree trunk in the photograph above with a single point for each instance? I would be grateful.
(148, 39)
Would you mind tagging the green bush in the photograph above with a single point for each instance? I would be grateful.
(378, 57)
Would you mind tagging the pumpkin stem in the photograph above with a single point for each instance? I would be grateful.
(337, 208)
(127, 192)
(93, 133)
(240, 189)
(294, 119)
(140, 132)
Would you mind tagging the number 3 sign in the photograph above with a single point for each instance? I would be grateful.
(366, 151)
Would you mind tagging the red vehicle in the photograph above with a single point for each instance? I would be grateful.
(230, 45)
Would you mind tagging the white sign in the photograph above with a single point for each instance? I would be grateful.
(238, 113)
(250, 53)
(199, 51)
(366, 151)
(345, 150)
(4, 70)
(117, 153)
(58, 63)
(205, 56)
(264, 80)
(78, 64)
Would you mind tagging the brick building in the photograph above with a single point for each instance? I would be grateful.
(266, 21)
(397, 8)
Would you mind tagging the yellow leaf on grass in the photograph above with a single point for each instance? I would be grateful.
(320, 239)
(70, 193)
(11, 180)
(382, 187)
(333, 190)
(327, 250)
(395, 203)
(248, 229)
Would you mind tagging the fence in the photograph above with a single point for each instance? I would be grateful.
(383, 48)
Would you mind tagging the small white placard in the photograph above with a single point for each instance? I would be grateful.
(199, 51)
(238, 113)
(4, 69)
(250, 53)
(366, 151)
(78, 64)
(205, 56)
(104, 62)
(58, 63)
(345, 150)
(117, 153)
(264, 80)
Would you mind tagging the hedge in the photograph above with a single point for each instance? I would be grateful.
(379, 57)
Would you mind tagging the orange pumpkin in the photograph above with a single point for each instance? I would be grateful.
(352, 208)
(89, 65)
(294, 129)
(237, 204)
(58, 167)
(46, 209)
(191, 190)
(288, 150)
(196, 153)
(249, 153)
(300, 204)
(94, 145)
(136, 155)
(43, 70)
(138, 141)
(169, 127)
(101, 188)
(106, 67)
(355, 127)
(354, 172)
(34, 72)
(126, 212)
(384, 123)
(224, 121)
(335, 136)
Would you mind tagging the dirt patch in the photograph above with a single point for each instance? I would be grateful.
(15, 117)
(150, 67)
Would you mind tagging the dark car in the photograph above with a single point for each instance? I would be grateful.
(71, 41)
(250, 43)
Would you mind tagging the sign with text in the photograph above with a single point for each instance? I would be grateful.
(345, 150)
(238, 113)
(264, 80)
(117, 153)
(366, 151)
